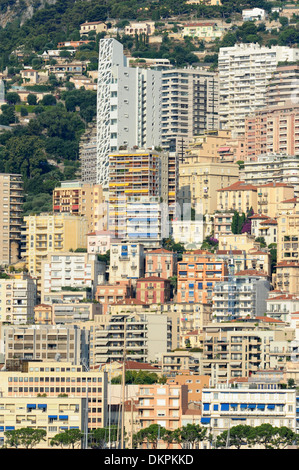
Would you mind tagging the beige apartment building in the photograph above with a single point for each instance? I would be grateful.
(17, 299)
(54, 415)
(270, 196)
(78, 198)
(11, 198)
(287, 276)
(239, 196)
(288, 238)
(28, 380)
(283, 86)
(51, 233)
(44, 342)
(235, 349)
(199, 182)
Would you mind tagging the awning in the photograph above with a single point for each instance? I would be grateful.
(243, 406)
(206, 406)
(252, 406)
(261, 407)
(63, 417)
(42, 406)
(224, 406)
(271, 407)
(223, 149)
(52, 417)
(31, 406)
(234, 405)
(205, 420)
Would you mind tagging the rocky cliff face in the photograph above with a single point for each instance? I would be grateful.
(10, 10)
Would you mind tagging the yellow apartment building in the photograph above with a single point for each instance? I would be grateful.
(287, 276)
(199, 182)
(28, 381)
(242, 241)
(239, 196)
(54, 415)
(75, 197)
(270, 196)
(52, 233)
(11, 199)
(288, 238)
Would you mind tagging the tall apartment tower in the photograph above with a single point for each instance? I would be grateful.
(244, 72)
(128, 106)
(189, 106)
(11, 199)
(284, 86)
(88, 154)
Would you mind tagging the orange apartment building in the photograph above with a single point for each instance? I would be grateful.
(161, 263)
(197, 273)
(161, 404)
(194, 382)
(108, 294)
(153, 290)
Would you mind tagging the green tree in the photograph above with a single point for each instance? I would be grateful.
(191, 434)
(13, 98)
(69, 438)
(100, 437)
(31, 99)
(48, 100)
(151, 435)
(25, 437)
(238, 436)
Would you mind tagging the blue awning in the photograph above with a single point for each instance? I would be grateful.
(63, 427)
(239, 419)
(215, 407)
(63, 417)
(52, 417)
(42, 406)
(261, 407)
(31, 406)
(271, 407)
(1, 428)
(234, 405)
(205, 420)
(9, 428)
(252, 406)
(206, 406)
(243, 406)
(224, 407)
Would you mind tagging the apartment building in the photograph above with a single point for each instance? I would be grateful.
(215, 146)
(203, 31)
(45, 342)
(78, 198)
(241, 296)
(68, 270)
(241, 241)
(161, 263)
(288, 238)
(281, 168)
(281, 307)
(54, 415)
(237, 349)
(127, 262)
(189, 233)
(133, 174)
(147, 221)
(270, 195)
(162, 405)
(128, 106)
(287, 276)
(68, 314)
(29, 379)
(239, 196)
(244, 71)
(147, 28)
(11, 197)
(173, 363)
(282, 88)
(272, 130)
(189, 106)
(51, 233)
(99, 242)
(195, 383)
(43, 314)
(153, 289)
(17, 299)
(197, 273)
(140, 336)
(227, 407)
(108, 293)
(199, 182)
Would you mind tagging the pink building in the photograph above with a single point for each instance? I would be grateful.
(99, 242)
(162, 404)
(153, 290)
(161, 263)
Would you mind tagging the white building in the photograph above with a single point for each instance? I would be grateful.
(254, 14)
(268, 168)
(244, 71)
(17, 300)
(145, 221)
(282, 306)
(128, 106)
(188, 232)
(127, 262)
(224, 408)
(71, 270)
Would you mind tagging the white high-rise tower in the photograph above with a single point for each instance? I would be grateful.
(128, 106)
